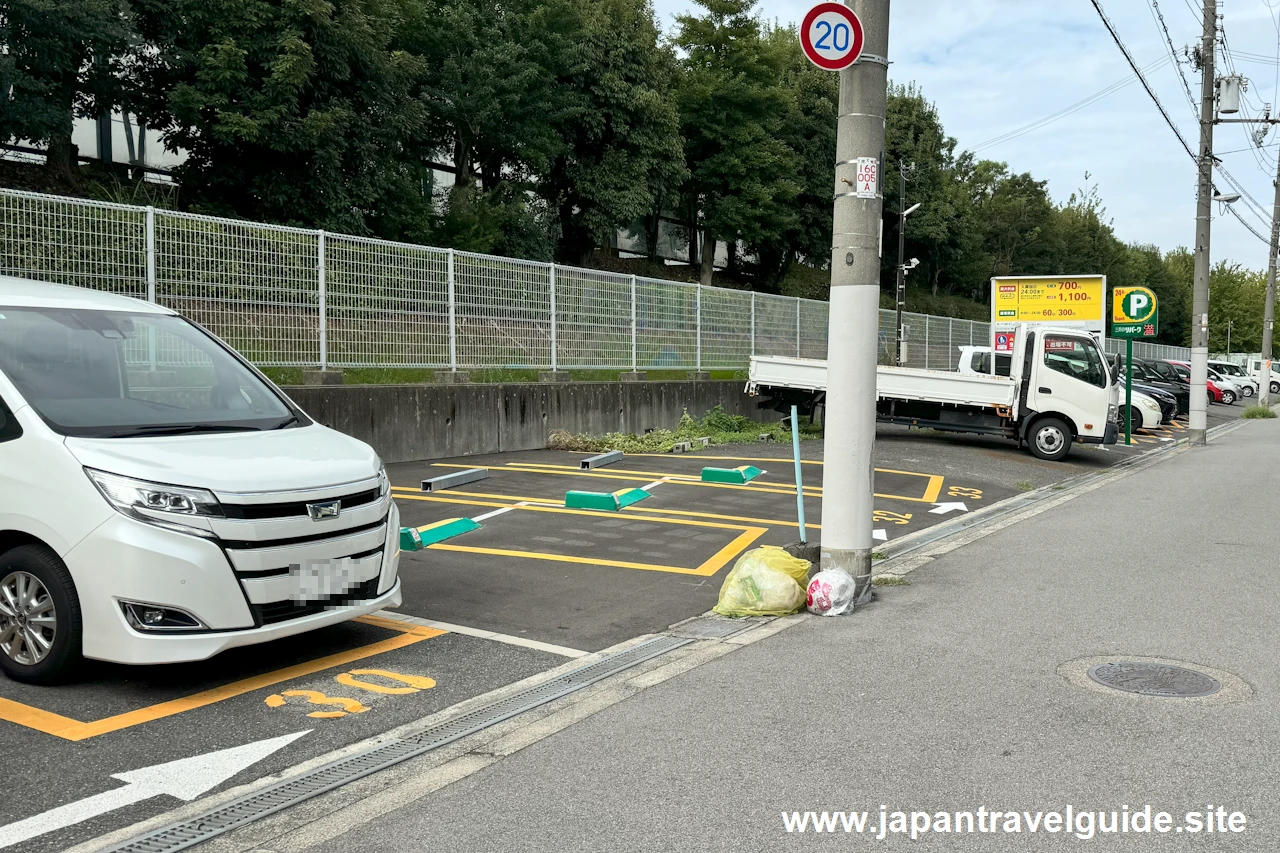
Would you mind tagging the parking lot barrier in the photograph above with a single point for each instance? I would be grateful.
(600, 460)
(604, 501)
(417, 538)
(738, 476)
(450, 481)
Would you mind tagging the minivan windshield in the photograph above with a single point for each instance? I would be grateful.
(116, 374)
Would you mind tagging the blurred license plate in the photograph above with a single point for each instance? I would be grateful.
(319, 579)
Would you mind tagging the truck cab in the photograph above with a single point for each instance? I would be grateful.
(1066, 393)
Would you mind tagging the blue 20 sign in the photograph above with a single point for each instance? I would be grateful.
(831, 36)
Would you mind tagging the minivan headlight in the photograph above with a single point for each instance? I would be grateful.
(131, 497)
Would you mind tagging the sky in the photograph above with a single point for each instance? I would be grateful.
(995, 66)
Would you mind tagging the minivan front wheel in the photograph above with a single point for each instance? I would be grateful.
(40, 627)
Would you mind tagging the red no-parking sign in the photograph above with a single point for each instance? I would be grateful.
(831, 36)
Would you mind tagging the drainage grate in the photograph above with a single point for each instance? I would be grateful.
(715, 628)
(1155, 679)
(293, 791)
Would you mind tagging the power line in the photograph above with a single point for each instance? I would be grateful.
(1173, 53)
(1169, 121)
(1129, 58)
(1065, 111)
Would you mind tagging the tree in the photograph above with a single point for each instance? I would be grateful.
(741, 181)
(294, 112)
(62, 60)
(620, 155)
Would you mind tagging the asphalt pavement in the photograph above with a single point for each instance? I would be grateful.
(965, 689)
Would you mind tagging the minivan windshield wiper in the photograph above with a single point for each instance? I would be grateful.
(182, 429)
(287, 422)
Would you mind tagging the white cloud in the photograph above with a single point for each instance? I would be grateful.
(993, 66)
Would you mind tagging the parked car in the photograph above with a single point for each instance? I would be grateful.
(1181, 370)
(1223, 389)
(1181, 391)
(1237, 374)
(163, 515)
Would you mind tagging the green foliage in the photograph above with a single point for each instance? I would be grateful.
(1258, 412)
(60, 59)
(717, 425)
(295, 112)
(741, 182)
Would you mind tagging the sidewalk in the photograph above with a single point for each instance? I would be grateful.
(945, 695)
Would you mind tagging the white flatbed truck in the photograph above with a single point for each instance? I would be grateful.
(1060, 391)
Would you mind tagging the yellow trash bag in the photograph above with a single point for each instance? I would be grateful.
(765, 581)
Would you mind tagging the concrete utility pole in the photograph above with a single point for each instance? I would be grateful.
(1268, 319)
(1204, 201)
(855, 302)
(902, 259)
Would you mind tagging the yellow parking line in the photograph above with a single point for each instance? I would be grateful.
(930, 494)
(778, 489)
(708, 568)
(783, 460)
(556, 501)
(75, 730)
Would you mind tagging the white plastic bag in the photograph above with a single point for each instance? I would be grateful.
(831, 593)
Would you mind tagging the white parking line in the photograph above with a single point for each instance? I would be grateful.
(524, 642)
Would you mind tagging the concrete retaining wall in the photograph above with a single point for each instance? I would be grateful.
(406, 423)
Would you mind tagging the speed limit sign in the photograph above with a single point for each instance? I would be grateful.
(831, 36)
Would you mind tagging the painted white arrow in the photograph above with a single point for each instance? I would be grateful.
(944, 508)
(186, 779)
(880, 535)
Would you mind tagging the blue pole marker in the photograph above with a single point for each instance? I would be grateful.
(795, 448)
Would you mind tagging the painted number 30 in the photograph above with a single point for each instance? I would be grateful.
(835, 34)
(345, 706)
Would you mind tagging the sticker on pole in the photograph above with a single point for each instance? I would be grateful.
(1004, 342)
(831, 36)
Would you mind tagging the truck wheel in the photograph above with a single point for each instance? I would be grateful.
(1275, 387)
(1050, 439)
(40, 627)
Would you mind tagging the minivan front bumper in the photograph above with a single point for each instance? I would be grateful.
(128, 560)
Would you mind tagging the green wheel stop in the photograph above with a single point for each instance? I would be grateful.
(604, 501)
(415, 539)
(739, 475)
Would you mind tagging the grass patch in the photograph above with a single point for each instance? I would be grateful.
(1057, 487)
(879, 555)
(890, 580)
(1256, 412)
(1024, 485)
(718, 425)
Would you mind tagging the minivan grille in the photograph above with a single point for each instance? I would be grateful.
(294, 509)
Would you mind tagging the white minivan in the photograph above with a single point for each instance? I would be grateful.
(161, 500)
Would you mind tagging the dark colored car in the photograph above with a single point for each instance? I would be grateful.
(1168, 380)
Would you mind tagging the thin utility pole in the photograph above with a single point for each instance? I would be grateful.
(1204, 200)
(854, 320)
(902, 259)
(1268, 319)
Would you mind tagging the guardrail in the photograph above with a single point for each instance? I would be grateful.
(307, 298)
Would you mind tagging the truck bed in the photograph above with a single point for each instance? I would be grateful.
(894, 383)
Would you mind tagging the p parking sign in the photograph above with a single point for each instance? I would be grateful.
(1134, 313)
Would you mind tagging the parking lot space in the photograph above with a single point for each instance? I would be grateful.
(341, 684)
(542, 579)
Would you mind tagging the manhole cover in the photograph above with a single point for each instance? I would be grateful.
(1154, 679)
